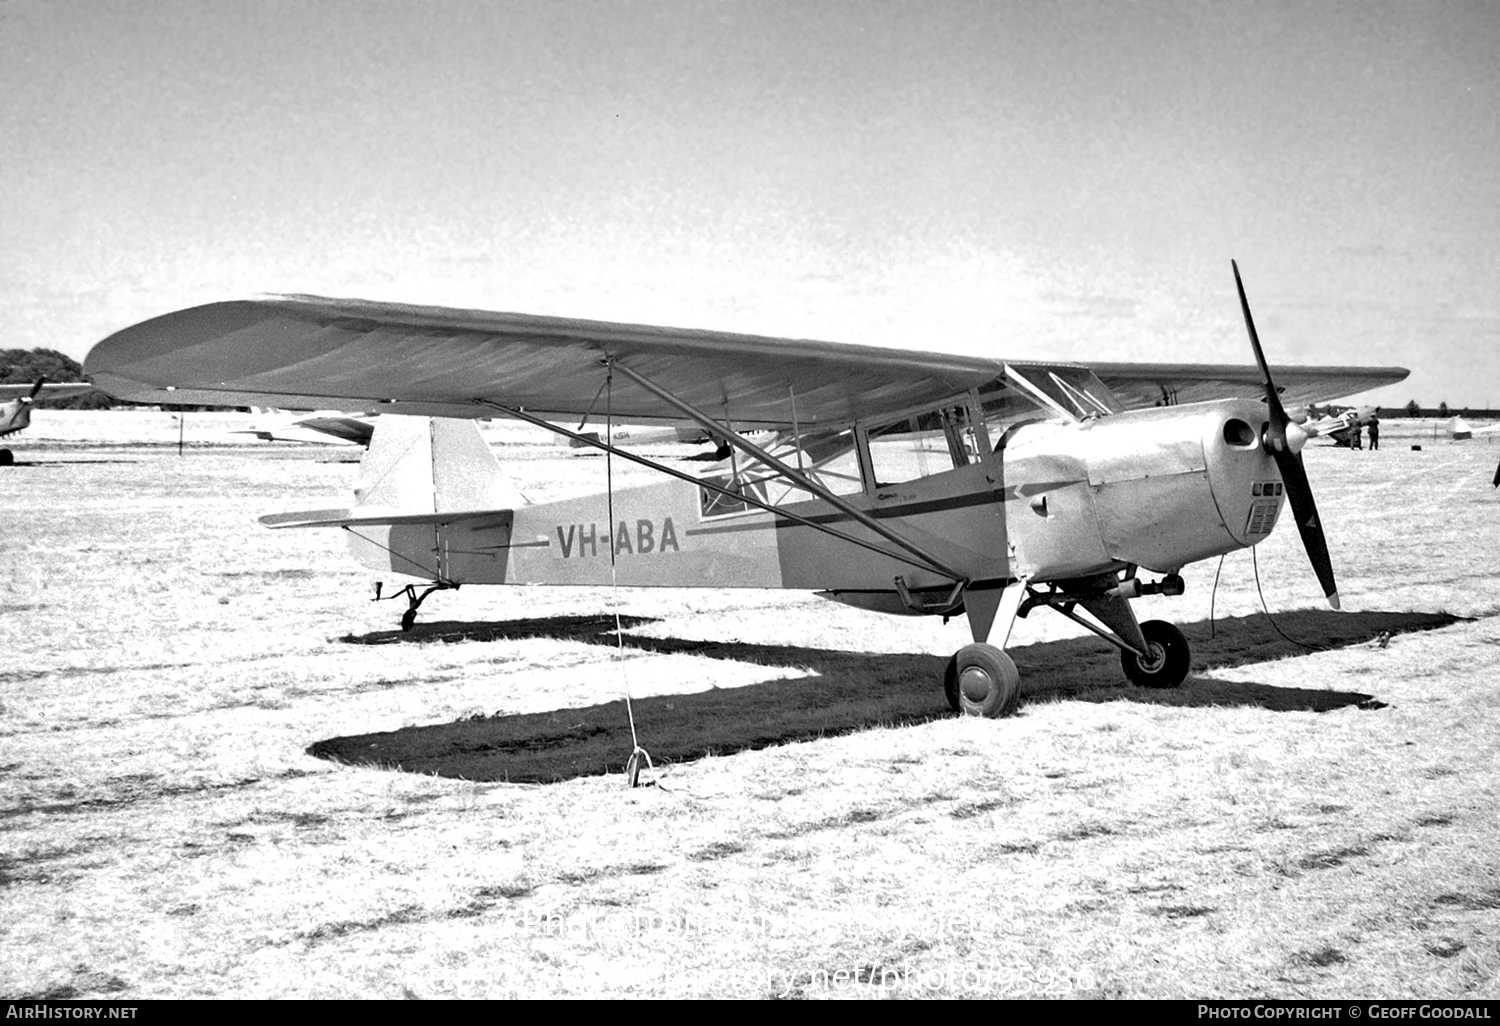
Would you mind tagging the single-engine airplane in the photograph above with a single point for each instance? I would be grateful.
(896, 481)
(319, 427)
(15, 407)
(639, 436)
(1337, 424)
(1460, 431)
(648, 435)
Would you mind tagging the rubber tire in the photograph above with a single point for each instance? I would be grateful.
(408, 619)
(985, 681)
(7, 458)
(1173, 656)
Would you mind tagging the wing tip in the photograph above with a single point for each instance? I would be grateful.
(306, 518)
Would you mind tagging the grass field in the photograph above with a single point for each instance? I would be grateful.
(1291, 823)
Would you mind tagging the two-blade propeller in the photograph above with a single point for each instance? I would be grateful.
(1286, 452)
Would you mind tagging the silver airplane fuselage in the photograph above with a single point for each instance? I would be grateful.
(1156, 489)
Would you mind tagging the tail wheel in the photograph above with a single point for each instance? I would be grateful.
(6, 457)
(1169, 657)
(983, 681)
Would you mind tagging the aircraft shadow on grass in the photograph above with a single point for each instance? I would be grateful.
(67, 463)
(850, 691)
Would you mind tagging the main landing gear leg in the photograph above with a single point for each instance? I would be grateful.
(413, 599)
(981, 679)
(1153, 654)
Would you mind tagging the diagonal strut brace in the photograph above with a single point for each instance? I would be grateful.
(530, 418)
(796, 477)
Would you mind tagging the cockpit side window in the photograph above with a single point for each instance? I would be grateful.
(826, 456)
(921, 445)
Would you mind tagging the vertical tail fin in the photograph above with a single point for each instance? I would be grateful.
(415, 474)
(432, 465)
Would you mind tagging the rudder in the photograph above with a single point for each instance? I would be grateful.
(432, 465)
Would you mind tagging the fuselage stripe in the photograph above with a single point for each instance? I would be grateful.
(906, 510)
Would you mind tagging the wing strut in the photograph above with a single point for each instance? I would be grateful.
(797, 478)
(589, 440)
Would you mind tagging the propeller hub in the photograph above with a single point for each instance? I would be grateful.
(1292, 438)
(1296, 437)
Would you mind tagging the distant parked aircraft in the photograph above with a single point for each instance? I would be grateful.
(15, 407)
(1459, 429)
(1339, 425)
(636, 435)
(322, 427)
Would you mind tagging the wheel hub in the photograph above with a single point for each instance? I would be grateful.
(975, 684)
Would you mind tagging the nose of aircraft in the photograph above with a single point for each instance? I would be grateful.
(1171, 485)
(1246, 485)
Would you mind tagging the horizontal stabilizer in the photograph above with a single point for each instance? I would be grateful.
(374, 516)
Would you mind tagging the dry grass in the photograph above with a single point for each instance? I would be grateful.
(163, 832)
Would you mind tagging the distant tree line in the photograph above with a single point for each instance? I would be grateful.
(24, 366)
(1443, 411)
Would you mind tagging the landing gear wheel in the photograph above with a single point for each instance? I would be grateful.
(408, 618)
(950, 684)
(7, 457)
(985, 682)
(1169, 660)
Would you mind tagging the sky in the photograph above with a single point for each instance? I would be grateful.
(1026, 180)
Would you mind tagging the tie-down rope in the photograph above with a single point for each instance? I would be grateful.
(633, 764)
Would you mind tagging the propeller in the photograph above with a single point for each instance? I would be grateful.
(36, 388)
(1284, 440)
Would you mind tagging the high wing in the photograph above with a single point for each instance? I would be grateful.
(308, 352)
(1140, 385)
(49, 391)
